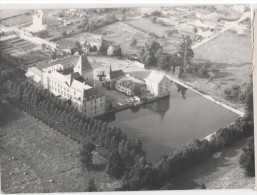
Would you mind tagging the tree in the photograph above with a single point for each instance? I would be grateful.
(91, 186)
(153, 19)
(115, 165)
(114, 50)
(86, 154)
(185, 51)
(91, 25)
(233, 92)
(133, 42)
(195, 30)
(43, 33)
(104, 47)
(54, 55)
(246, 160)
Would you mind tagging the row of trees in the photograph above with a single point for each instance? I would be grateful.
(65, 118)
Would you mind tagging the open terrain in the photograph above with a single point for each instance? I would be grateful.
(234, 64)
(36, 158)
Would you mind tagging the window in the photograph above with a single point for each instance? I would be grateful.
(74, 92)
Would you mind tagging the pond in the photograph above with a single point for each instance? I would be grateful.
(170, 123)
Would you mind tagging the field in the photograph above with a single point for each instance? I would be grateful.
(26, 51)
(234, 64)
(222, 171)
(36, 158)
(11, 13)
(17, 20)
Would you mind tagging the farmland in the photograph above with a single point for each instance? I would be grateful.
(27, 52)
(17, 20)
(36, 158)
(234, 63)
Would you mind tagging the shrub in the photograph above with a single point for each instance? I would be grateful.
(115, 166)
(233, 93)
(246, 160)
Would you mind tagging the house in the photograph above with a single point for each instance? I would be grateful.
(113, 76)
(34, 75)
(84, 68)
(94, 102)
(71, 83)
(128, 86)
(157, 84)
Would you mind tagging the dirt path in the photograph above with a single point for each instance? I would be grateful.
(35, 158)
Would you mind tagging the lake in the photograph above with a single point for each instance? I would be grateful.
(170, 123)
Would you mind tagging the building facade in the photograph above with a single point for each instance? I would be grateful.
(157, 84)
(69, 84)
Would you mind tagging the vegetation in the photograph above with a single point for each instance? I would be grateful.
(91, 186)
(65, 118)
(86, 154)
(115, 166)
(246, 160)
(104, 47)
(43, 34)
(233, 93)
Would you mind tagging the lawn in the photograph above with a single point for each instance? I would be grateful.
(36, 158)
(236, 49)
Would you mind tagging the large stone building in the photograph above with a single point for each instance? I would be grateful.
(157, 83)
(70, 83)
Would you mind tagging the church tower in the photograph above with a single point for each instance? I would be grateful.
(84, 68)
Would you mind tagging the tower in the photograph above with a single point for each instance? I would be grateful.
(38, 21)
(84, 68)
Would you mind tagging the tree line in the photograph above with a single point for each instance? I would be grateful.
(65, 118)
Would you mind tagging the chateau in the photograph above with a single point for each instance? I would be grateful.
(71, 83)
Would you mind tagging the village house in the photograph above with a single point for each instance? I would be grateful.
(71, 83)
(157, 84)
(113, 76)
(127, 85)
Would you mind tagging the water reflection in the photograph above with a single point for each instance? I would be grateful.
(181, 89)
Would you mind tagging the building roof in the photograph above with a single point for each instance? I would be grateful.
(140, 74)
(66, 71)
(58, 76)
(83, 63)
(156, 76)
(92, 93)
(116, 74)
(66, 62)
(35, 70)
(34, 73)
(79, 86)
(126, 82)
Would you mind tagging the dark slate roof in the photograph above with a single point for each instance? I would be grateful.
(116, 74)
(140, 74)
(66, 71)
(67, 61)
(92, 93)
(85, 64)
(80, 79)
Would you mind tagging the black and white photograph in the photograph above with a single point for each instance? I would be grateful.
(126, 98)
